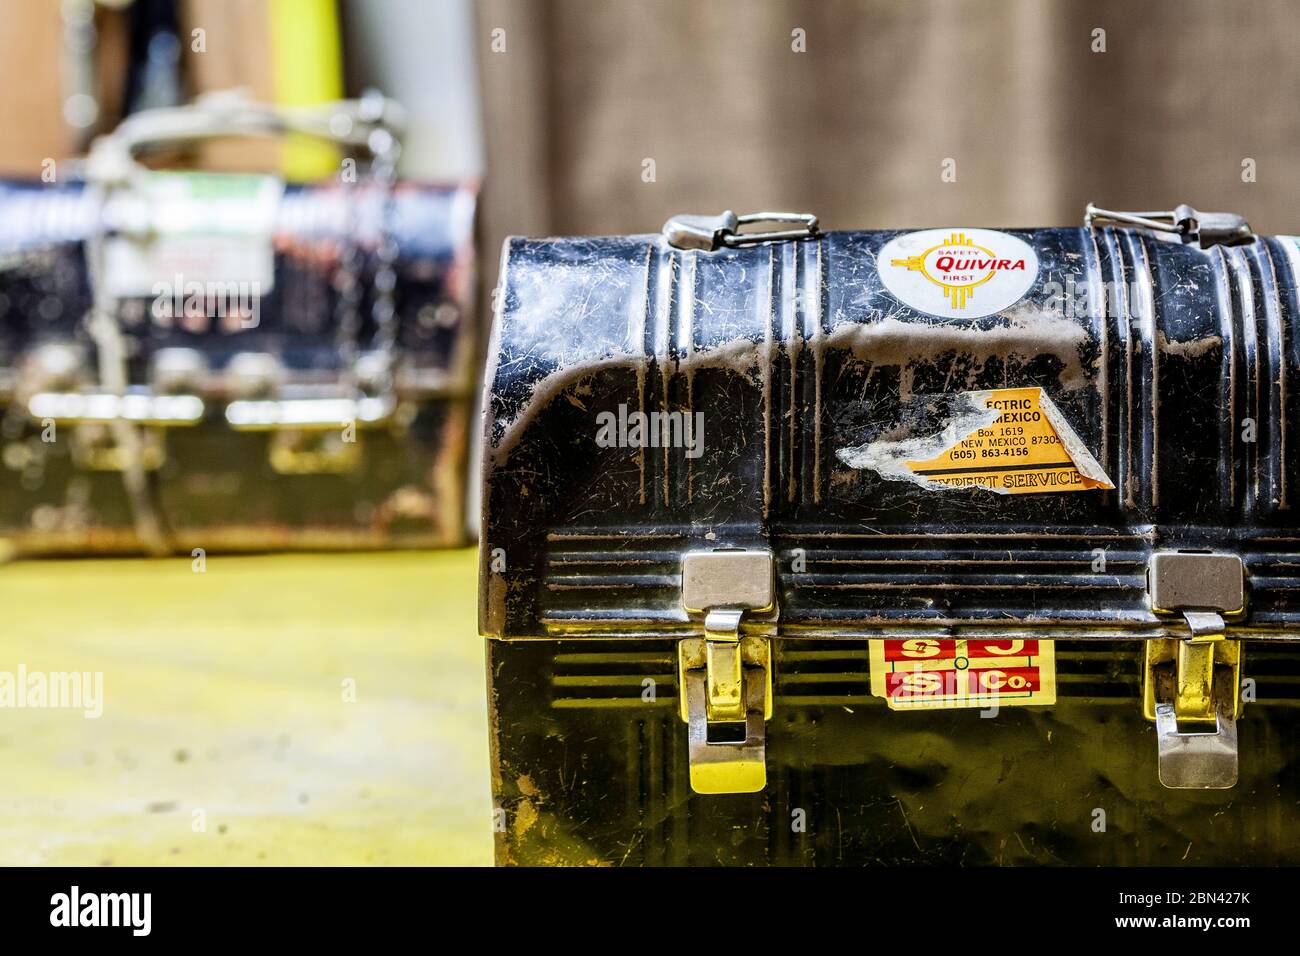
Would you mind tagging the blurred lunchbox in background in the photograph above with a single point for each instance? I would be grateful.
(223, 361)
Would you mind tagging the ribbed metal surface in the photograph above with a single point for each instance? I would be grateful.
(594, 579)
(830, 673)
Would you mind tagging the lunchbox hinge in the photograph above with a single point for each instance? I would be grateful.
(726, 676)
(1192, 685)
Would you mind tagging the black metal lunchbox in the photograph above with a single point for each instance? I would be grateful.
(952, 545)
(225, 362)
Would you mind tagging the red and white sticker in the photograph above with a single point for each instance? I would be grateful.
(958, 273)
(930, 673)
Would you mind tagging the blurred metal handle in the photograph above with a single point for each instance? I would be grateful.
(373, 122)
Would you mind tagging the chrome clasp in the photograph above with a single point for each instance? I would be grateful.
(709, 233)
(1190, 225)
(314, 429)
(1192, 685)
(56, 389)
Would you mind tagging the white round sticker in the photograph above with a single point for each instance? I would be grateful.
(957, 273)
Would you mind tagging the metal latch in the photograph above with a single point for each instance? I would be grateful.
(726, 676)
(709, 233)
(1191, 226)
(1192, 686)
(54, 381)
(313, 428)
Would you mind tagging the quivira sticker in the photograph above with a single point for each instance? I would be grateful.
(958, 273)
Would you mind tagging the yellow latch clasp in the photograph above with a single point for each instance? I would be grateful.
(1192, 685)
(726, 676)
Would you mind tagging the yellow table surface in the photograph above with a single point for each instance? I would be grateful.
(224, 693)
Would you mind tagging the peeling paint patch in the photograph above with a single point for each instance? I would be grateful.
(889, 457)
(526, 817)
(1194, 349)
(1006, 440)
(1022, 332)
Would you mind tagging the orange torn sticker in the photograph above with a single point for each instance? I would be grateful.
(926, 673)
(1012, 441)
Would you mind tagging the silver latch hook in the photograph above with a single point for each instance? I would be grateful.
(709, 233)
(1190, 225)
